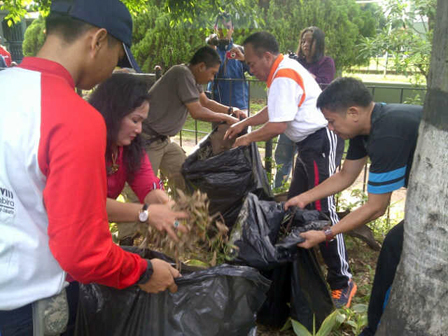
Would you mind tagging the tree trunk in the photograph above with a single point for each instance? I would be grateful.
(419, 297)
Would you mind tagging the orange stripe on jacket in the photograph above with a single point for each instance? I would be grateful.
(289, 73)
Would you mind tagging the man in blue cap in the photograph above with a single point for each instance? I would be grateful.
(53, 178)
(229, 87)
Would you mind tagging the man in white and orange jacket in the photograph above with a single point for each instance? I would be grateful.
(291, 109)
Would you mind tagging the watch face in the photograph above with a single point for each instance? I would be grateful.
(143, 216)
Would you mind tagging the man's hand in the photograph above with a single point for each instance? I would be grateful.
(241, 141)
(312, 238)
(300, 201)
(238, 53)
(162, 218)
(230, 120)
(240, 114)
(234, 130)
(162, 278)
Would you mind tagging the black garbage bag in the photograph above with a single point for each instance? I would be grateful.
(266, 237)
(256, 233)
(226, 174)
(222, 300)
(309, 292)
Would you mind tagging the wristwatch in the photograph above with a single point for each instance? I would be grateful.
(143, 214)
(329, 235)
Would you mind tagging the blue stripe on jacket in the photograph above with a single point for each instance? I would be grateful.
(385, 188)
(387, 176)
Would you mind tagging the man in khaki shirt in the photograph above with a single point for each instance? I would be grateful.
(179, 93)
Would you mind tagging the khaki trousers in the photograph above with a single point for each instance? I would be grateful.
(130, 229)
(168, 157)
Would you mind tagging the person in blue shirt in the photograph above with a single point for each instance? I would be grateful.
(233, 92)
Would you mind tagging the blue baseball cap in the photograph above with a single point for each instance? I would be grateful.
(111, 15)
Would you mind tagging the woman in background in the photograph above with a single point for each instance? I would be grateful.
(311, 55)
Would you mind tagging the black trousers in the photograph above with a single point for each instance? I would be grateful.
(386, 267)
(315, 163)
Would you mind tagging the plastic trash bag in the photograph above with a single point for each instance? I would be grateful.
(222, 300)
(257, 230)
(226, 174)
(298, 287)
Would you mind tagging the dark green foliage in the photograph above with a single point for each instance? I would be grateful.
(343, 21)
(167, 32)
(17, 9)
(156, 42)
(167, 36)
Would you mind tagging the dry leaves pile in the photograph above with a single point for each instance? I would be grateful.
(205, 242)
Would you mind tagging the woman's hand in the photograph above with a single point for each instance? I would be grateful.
(163, 218)
(157, 196)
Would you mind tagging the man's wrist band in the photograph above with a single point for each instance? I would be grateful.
(144, 278)
(329, 235)
(230, 110)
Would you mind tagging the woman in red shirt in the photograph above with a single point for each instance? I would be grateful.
(124, 103)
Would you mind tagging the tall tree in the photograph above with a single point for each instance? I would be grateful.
(419, 297)
(406, 37)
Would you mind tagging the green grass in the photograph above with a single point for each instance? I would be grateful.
(388, 78)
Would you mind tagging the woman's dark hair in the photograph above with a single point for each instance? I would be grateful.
(115, 98)
(318, 38)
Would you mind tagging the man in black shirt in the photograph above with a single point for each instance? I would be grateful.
(387, 134)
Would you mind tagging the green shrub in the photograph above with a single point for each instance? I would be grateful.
(34, 37)
(343, 22)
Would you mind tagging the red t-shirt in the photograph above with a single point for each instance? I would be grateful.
(6, 56)
(71, 157)
(143, 182)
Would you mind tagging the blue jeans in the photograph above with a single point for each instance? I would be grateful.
(284, 155)
(17, 322)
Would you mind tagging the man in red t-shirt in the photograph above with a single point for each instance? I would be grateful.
(53, 187)
(6, 55)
